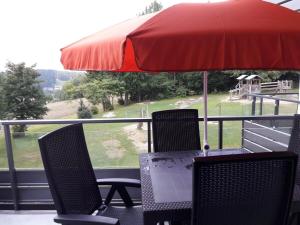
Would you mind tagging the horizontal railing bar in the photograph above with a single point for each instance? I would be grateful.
(274, 98)
(286, 93)
(72, 121)
(242, 118)
(132, 120)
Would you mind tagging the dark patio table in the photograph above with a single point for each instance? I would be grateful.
(166, 179)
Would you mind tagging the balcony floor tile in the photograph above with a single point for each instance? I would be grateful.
(27, 217)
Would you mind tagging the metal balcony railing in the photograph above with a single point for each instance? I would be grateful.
(28, 189)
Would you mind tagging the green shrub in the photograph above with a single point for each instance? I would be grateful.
(94, 110)
(182, 92)
(83, 112)
(121, 101)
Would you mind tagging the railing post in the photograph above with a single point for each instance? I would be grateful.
(149, 136)
(11, 166)
(261, 106)
(253, 105)
(220, 134)
(243, 127)
(276, 110)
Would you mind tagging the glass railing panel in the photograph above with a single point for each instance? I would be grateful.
(3, 155)
(212, 131)
(110, 145)
(25, 146)
(116, 145)
(232, 134)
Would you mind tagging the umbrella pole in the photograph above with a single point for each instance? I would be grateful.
(205, 142)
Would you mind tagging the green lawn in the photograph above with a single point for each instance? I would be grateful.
(112, 146)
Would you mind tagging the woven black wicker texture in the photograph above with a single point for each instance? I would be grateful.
(69, 171)
(243, 189)
(176, 130)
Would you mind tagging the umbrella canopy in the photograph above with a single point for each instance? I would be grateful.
(236, 34)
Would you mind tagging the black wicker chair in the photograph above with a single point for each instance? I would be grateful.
(73, 184)
(243, 189)
(175, 130)
(294, 146)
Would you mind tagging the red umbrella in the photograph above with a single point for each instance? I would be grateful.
(236, 34)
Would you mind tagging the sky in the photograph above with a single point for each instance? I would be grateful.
(33, 31)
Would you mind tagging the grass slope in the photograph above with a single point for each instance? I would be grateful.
(110, 146)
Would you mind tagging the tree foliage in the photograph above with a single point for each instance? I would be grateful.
(49, 77)
(73, 89)
(267, 76)
(103, 87)
(23, 94)
(102, 90)
(83, 112)
(153, 7)
(3, 102)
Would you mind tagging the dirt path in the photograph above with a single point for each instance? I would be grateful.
(183, 104)
(109, 115)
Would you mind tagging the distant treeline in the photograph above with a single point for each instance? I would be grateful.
(102, 87)
(48, 77)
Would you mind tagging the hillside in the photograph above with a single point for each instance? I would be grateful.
(51, 78)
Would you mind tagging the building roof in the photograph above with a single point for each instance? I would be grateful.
(242, 77)
(253, 76)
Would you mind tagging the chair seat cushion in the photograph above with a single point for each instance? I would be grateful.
(296, 200)
(126, 216)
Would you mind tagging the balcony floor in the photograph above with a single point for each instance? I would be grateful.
(27, 217)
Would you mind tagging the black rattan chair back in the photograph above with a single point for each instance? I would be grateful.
(69, 171)
(243, 189)
(175, 130)
(294, 144)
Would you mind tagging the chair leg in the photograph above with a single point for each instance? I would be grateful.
(125, 196)
(110, 195)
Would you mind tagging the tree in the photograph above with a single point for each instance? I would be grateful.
(102, 91)
(73, 89)
(59, 95)
(153, 7)
(24, 96)
(83, 112)
(3, 102)
(132, 84)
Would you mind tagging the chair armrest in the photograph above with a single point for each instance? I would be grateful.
(75, 219)
(120, 182)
